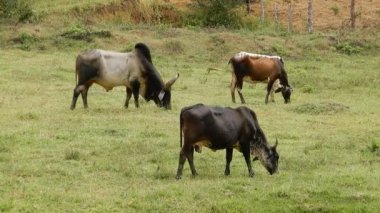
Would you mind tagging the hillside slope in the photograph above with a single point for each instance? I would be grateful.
(328, 14)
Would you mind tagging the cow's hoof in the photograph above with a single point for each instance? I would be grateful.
(252, 175)
(178, 177)
(227, 173)
(194, 175)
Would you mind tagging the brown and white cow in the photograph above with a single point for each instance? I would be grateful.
(134, 70)
(224, 128)
(259, 68)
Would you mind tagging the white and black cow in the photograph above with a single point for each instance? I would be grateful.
(134, 70)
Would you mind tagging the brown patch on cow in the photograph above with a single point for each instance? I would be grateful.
(198, 145)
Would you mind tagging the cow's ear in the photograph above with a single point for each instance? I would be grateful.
(255, 158)
(278, 90)
(161, 95)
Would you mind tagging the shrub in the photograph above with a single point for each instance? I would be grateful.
(19, 9)
(349, 48)
(214, 13)
(335, 9)
(79, 32)
(25, 40)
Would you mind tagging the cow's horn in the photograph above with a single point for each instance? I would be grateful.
(275, 145)
(171, 82)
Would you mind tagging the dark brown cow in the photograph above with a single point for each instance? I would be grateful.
(259, 69)
(134, 70)
(224, 128)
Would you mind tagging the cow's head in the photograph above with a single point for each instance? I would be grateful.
(286, 92)
(164, 97)
(268, 157)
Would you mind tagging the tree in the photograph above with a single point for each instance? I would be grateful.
(249, 9)
(262, 10)
(353, 14)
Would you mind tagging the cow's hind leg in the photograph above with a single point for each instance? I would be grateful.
(186, 152)
(135, 91)
(181, 162)
(240, 87)
(129, 95)
(190, 158)
(229, 152)
(75, 98)
(247, 157)
(77, 91)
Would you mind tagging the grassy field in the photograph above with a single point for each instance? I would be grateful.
(108, 158)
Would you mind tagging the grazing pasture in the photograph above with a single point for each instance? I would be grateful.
(108, 158)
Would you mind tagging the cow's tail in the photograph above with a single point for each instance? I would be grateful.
(181, 122)
(233, 78)
(77, 70)
(180, 129)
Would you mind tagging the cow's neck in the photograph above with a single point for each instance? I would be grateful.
(260, 149)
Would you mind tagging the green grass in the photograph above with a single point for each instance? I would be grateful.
(108, 158)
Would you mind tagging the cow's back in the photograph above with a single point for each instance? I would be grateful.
(262, 68)
(113, 68)
(221, 126)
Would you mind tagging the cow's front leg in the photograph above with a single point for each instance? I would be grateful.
(247, 157)
(229, 152)
(135, 91)
(129, 95)
(269, 89)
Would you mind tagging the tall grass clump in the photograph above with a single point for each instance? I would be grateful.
(80, 32)
(214, 13)
(25, 41)
(17, 9)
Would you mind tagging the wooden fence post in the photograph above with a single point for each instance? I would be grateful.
(290, 17)
(262, 10)
(310, 16)
(275, 14)
(353, 14)
(248, 2)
